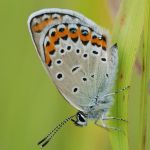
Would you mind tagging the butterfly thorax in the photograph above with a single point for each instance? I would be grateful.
(102, 105)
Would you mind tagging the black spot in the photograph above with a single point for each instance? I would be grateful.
(95, 52)
(85, 55)
(59, 76)
(48, 43)
(62, 51)
(103, 59)
(73, 30)
(85, 42)
(58, 61)
(78, 51)
(55, 26)
(36, 24)
(104, 38)
(75, 90)
(84, 79)
(94, 37)
(52, 52)
(104, 48)
(91, 107)
(92, 76)
(65, 37)
(79, 25)
(61, 30)
(55, 18)
(68, 47)
(75, 68)
(106, 74)
(74, 39)
(56, 42)
(53, 33)
(84, 32)
(45, 19)
(50, 62)
(94, 44)
(66, 24)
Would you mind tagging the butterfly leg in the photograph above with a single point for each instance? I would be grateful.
(103, 117)
(103, 125)
(113, 118)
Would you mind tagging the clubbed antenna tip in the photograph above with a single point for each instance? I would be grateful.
(50, 135)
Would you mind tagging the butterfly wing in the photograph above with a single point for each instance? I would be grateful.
(75, 53)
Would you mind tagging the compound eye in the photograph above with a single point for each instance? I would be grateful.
(81, 118)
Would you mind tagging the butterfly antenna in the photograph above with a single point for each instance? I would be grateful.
(51, 134)
(116, 92)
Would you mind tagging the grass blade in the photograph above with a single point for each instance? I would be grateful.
(128, 32)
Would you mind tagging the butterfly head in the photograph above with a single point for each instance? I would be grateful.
(81, 119)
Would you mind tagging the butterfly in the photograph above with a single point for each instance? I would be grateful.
(80, 59)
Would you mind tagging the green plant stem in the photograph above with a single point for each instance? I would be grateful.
(128, 32)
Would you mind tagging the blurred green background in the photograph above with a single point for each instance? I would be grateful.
(30, 105)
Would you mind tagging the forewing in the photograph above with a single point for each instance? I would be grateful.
(73, 50)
